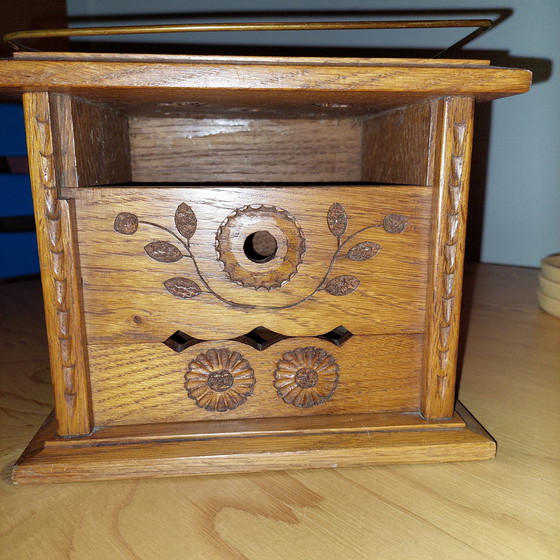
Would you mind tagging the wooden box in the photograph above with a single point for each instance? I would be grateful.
(250, 263)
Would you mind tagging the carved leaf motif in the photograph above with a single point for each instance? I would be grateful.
(363, 251)
(395, 223)
(163, 251)
(342, 285)
(337, 219)
(185, 220)
(126, 223)
(183, 288)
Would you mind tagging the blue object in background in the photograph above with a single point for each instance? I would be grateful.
(12, 130)
(19, 254)
(16, 195)
(18, 249)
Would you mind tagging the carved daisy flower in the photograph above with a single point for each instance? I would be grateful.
(219, 380)
(306, 377)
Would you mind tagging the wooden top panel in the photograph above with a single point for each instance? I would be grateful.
(276, 80)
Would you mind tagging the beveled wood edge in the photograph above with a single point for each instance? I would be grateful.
(472, 423)
(47, 432)
(250, 454)
(85, 192)
(258, 427)
(236, 59)
(88, 78)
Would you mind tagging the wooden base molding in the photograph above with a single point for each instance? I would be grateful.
(251, 445)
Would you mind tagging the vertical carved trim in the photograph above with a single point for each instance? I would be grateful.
(453, 147)
(453, 227)
(58, 274)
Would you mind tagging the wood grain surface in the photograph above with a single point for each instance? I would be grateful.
(398, 146)
(316, 425)
(243, 149)
(449, 211)
(501, 509)
(59, 261)
(98, 146)
(196, 456)
(206, 81)
(228, 59)
(144, 383)
(125, 296)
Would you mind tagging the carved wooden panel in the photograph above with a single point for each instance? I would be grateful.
(245, 267)
(367, 374)
(144, 279)
(260, 338)
(268, 272)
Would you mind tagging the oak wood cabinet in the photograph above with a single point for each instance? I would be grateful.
(250, 263)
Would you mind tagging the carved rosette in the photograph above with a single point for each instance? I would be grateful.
(247, 220)
(219, 380)
(306, 377)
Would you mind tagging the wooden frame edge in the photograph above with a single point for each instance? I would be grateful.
(40, 464)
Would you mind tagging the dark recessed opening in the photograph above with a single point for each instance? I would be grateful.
(180, 341)
(260, 247)
(259, 338)
(337, 336)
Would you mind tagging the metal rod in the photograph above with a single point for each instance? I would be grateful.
(12, 37)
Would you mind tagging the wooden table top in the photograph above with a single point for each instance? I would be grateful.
(504, 508)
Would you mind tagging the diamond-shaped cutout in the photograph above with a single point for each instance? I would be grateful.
(337, 336)
(180, 341)
(259, 338)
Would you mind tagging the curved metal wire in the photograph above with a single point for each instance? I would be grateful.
(482, 25)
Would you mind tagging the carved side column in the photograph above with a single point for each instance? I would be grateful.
(59, 275)
(453, 152)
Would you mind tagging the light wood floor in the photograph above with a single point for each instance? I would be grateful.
(507, 508)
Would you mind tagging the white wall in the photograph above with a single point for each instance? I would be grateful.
(521, 215)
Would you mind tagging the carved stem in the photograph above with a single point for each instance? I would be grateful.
(189, 254)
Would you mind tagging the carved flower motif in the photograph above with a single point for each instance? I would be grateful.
(306, 377)
(219, 380)
(274, 272)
